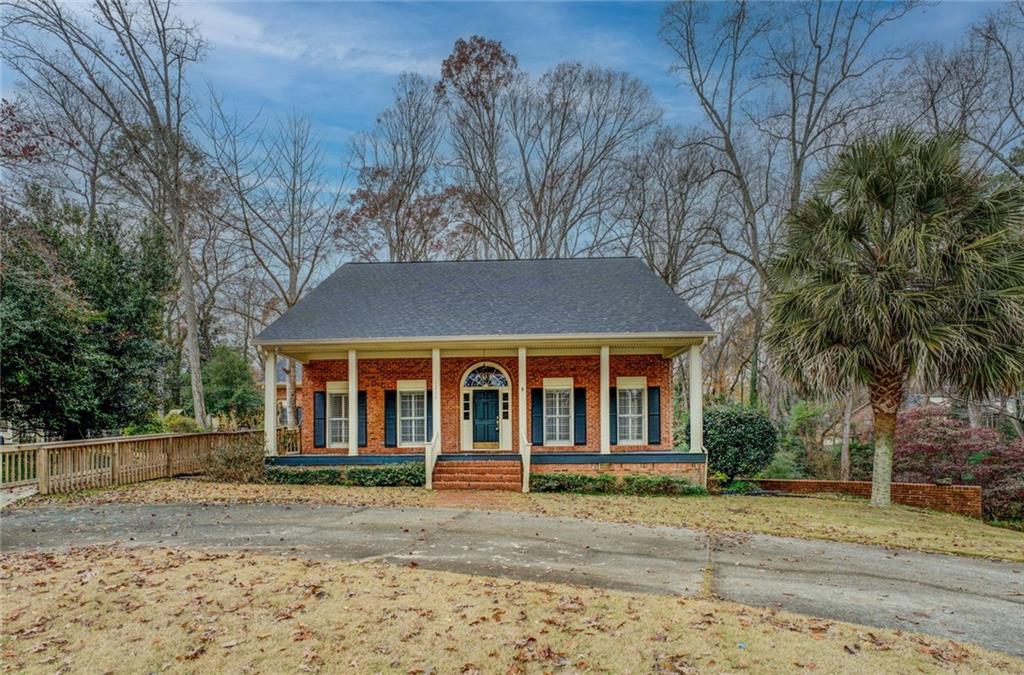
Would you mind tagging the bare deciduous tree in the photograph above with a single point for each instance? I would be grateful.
(128, 63)
(283, 203)
(539, 161)
(977, 89)
(779, 88)
(401, 208)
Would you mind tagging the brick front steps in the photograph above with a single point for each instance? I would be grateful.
(479, 474)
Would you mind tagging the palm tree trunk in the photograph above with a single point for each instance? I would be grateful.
(886, 391)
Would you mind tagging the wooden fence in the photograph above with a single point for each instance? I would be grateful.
(66, 466)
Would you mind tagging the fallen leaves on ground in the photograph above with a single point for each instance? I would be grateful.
(110, 609)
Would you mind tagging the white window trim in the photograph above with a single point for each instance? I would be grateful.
(632, 383)
(559, 384)
(336, 387)
(411, 387)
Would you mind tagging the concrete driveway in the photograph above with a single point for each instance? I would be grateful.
(961, 598)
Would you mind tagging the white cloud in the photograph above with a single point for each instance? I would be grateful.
(222, 27)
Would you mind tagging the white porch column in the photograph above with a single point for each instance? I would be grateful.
(435, 380)
(606, 406)
(521, 382)
(696, 401)
(270, 402)
(353, 403)
(525, 448)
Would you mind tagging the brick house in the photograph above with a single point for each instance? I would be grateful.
(488, 370)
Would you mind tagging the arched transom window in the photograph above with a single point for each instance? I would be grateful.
(485, 376)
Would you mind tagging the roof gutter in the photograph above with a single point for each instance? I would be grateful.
(487, 338)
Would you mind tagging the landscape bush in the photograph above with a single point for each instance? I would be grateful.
(412, 474)
(933, 447)
(236, 460)
(606, 484)
(740, 440)
(409, 474)
(741, 487)
(785, 464)
(578, 483)
(171, 423)
(319, 476)
(659, 485)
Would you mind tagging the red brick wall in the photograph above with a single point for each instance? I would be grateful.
(375, 376)
(586, 372)
(692, 472)
(378, 375)
(962, 499)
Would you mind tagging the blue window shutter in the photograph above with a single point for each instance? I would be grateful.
(361, 412)
(537, 416)
(430, 416)
(319, 419)
(653, 415)
(579, 402)
(613, 412)
(390, 419)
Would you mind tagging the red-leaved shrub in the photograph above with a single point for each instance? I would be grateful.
(932, 447)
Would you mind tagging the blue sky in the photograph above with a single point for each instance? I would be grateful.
(337, 62)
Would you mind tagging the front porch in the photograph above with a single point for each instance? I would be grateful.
(590, 406)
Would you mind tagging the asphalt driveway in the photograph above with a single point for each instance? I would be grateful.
(961, 598)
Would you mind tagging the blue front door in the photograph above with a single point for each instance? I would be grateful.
(485, 416)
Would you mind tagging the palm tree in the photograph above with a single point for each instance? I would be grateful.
(903, 265)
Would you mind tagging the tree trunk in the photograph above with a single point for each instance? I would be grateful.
(844, 455)
(886, 391)
(973, 415)
(188, 296)
(289, 397)
(754, 362)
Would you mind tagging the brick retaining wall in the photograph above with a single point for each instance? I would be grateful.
(962, 499)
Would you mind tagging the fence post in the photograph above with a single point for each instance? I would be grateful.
(167, 452)
(43, 470)
(115, 464)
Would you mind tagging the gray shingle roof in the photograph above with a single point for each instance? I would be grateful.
(486, 298)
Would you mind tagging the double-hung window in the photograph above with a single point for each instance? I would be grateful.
(631, 407)
(558, 411)
(412, 413)
(337, 414)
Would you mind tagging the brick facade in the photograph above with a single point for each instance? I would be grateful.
(378, 375)
(962, 499)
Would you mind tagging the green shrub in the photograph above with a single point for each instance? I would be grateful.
(602, 483)
(288, 476)
(236, 460)
(411, 474)
(152, 425)
(659, 485)
(741, 487)
(176, 423)
(785, 464)
(606, 484)
(388, 475)
(740, 441)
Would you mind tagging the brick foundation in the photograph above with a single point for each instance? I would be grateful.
(378, 375)
(962, 499)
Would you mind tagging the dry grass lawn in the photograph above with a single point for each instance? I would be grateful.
(833, 518)
(111, 610)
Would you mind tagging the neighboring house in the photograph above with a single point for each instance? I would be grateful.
(517, 366)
